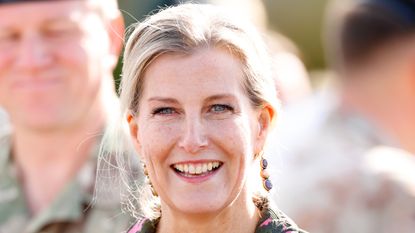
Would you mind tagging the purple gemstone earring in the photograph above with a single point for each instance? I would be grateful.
(148, 181)
(265, 175)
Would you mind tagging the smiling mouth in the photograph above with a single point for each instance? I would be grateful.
(196, 169)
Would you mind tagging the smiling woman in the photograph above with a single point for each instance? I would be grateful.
(199, 102)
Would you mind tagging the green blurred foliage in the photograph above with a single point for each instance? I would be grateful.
(302, 22)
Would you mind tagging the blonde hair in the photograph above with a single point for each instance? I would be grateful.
(183, 29)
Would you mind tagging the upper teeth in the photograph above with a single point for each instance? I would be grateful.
(196, 168)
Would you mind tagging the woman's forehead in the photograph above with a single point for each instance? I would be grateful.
(207, 70)
(201, 62)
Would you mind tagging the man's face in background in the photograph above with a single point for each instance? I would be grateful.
(53, 56)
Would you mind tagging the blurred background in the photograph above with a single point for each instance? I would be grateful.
(299, 20)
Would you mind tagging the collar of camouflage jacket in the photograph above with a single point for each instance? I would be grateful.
(68, 206)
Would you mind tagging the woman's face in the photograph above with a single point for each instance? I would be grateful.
(197, 131)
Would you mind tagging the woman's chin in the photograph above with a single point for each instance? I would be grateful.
(199, 207)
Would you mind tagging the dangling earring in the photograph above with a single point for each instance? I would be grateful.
(148, 181)
(266, 182)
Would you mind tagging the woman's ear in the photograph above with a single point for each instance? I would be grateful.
(265, 118)
(132, 124)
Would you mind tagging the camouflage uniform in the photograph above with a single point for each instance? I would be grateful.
(331, 183)
(5, 126)
(70, 212)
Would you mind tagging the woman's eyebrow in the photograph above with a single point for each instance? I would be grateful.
(220, 96)
(163, 99)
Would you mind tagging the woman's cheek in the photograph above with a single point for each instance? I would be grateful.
(234, 132)
(157, 138)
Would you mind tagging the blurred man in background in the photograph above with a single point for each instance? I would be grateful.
(56, 63)
(343, 178)
(4, 122)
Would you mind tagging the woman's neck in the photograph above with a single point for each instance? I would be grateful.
(241, 216)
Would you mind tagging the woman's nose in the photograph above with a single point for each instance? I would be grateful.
(193, 138)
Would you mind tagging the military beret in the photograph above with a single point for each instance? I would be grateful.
(21, 1)
(405, 9)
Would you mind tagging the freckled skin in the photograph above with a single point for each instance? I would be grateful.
(194, 126)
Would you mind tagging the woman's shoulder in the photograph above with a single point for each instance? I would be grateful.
(274, 221)
(144, 225)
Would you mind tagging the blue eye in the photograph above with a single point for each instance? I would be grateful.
(163, 111)
(219, 108)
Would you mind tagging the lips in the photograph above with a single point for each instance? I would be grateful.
(196, 169)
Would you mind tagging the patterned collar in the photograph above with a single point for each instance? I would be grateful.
(270, 222)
